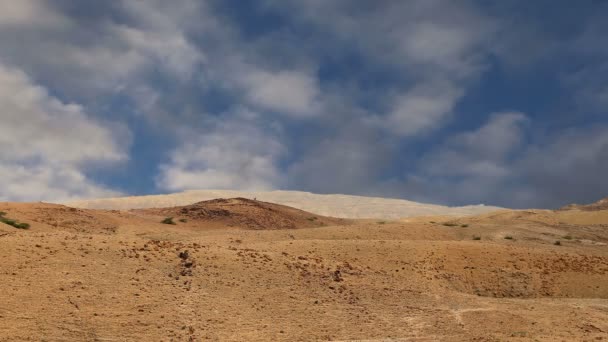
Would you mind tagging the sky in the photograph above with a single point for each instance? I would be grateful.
(452, 102)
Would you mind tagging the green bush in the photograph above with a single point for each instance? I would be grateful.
(168, 220)
(14, 223)
(23, 225)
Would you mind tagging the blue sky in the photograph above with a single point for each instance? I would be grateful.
(451, 102)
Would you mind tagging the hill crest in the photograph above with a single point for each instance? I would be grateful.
(243, 213)
(599, 205)
(334, 205)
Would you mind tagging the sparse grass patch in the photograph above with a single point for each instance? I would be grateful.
(311, 219)
(14, 223)
(508, 237)
(381, 222)
(168, 220)
(567, 237)
(557, 243)
(183, 220)
(23, 225)
(476, 237)
(433, 222)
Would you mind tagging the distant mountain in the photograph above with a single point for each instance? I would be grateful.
(599, 205)
(342, 206)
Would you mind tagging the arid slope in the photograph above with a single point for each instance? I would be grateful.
(242, 213)
(102, 275)
(599, 205)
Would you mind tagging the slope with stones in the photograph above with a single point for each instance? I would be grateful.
(243, 213)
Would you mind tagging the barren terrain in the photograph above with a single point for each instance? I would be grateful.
(244, 270)
(344, 206)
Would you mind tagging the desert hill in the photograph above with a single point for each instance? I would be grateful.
(343, 206)
(243, 213)
(599, 205)
(122, 275)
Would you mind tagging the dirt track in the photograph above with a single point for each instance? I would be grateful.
(119, 276)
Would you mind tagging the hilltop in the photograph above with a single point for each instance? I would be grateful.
(599, 205)
(342, 206)
(242, 213)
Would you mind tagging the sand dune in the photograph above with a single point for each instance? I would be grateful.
(344, 206)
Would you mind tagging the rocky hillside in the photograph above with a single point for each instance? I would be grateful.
(599, 205)
(242, 213)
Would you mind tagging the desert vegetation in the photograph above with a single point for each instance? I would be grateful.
(168, 220)
(11, 222)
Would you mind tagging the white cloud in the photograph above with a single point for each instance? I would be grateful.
(349, 161)
(422, 108)
(98, 57)
(439, 48)
(366, 75)
(47, 182)
(234, 154)
(31, 13)
(477, 166)
(571, 166)
(162, 33)
(482, 153)
(293, 93)
(494, 164)
(45, 144)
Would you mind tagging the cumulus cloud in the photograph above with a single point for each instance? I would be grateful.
(438, 54)
(29, 13)
(483, 153)
(102, 54)
(422, 108)
(46, 145)
(232, 154)
(350, 161)
(370, 95)
(472, 167)
(497, 164)
(293, 93)
(571, 166)
(168, 49)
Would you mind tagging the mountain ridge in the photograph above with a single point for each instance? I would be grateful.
(334, 205)
(599, 205)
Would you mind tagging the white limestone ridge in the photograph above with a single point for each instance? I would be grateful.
(335, 205)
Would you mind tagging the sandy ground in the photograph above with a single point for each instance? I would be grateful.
(94, 275)
(344, 206)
